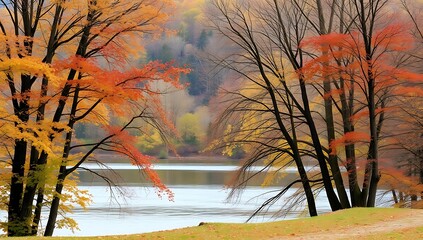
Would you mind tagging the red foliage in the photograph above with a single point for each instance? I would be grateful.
(345, 58)
(395, 178)
(117, 90)
(124, 144)
(347, 139)
(365, 113)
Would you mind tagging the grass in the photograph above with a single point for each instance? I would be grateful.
(342, 221)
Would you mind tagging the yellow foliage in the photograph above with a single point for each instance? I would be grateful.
(28, 65)
(42, 95)
(71, 196)
(38, 133)
(228, 150)
(189, 125)
(150, 139)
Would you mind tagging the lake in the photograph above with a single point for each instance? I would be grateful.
(200, 196)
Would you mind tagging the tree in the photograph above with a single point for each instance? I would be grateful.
(193, 128)
(280, 105)
(203, 39)
(409, 128)
(311, 86)
(189, 128)
(377, 65)
(62, 63)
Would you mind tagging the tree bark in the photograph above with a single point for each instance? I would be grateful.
(332, 198)
(15, 226)
(54, 208)
(330, 126)
(347, 108)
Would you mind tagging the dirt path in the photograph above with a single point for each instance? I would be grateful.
(413, 219)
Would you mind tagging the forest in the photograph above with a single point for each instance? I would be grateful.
(330, 88)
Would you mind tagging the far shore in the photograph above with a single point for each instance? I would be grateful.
(200, 158)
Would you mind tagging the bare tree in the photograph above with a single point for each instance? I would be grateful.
(269, 34)
(313, 76)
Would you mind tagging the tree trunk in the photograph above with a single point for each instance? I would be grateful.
(354, 188)
(346, 113)
(332, 198)
(15, 227)
(30, 19)
(311, 203)
(292, 141)
(372, 157)
(367, 17)
(54, 209)
(30, 189)
(394, 196)
(330, 128)
(81, 51)
(37, 211)
(333, 159)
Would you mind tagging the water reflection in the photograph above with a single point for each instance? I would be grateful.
(209, 167)
(178, 174)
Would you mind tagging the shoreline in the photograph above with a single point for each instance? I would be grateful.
(115, 158)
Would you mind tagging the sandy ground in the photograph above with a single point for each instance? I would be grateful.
(413, 219)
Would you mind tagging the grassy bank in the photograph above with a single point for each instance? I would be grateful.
(365, 223)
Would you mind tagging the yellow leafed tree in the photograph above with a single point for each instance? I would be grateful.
(63, 62)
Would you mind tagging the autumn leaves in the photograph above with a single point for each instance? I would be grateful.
(65, 62)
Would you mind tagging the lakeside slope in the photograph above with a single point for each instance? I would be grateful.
(363, 223)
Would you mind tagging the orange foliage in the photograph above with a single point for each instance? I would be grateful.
(85, 68)
(409, 91)
(346, 57)
(395, 178)
(333, 92)
(347, 139)
(365, 113)
(124, 144)
(115, 87)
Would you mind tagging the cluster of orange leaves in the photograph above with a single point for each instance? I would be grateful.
(345, 59)
(124, 144)
(116, 87)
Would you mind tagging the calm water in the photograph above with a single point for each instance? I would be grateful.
(200, 196)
